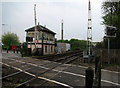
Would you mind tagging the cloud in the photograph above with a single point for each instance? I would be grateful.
(74, 13)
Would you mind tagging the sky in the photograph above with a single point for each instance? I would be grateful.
(19, 15)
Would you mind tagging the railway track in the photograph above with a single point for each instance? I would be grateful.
(52, 57)
(25, 74)
(69, 59)
(61, 61)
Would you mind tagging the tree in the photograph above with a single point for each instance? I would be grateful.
(111, 11)
(75, 44)
(10, 39)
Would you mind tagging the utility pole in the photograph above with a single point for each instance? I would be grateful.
(89, 73)
(108, 50)
(109, 39)
(35, 24)
(89, 29)
(62, 30)
(42, 43)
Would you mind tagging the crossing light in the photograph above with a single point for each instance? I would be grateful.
(110, 31)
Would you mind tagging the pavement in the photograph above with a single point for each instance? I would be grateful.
(48, 73)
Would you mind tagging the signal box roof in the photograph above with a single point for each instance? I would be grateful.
(40, 28)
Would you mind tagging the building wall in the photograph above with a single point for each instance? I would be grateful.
(48, 50)
(33, 46)
(49, 38)
(49, 41)
(63, 47)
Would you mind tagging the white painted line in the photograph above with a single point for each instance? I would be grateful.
(101, 69)
(111, 82)
(16, 68)
(15, 72)
(43, 67)
(29, 73)
(72, 65)
(55, 82)
(72, 73)
(110, 71)
(69, 73)
(7, 65)
(82, 66)
(42, 77)
(20, 61)
(10, 75)
(32, 64)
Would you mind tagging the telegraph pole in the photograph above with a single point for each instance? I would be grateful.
(42, 44)
(35, 24)
(89, 29)
(62, 30)
(89, 73)
(109, 40)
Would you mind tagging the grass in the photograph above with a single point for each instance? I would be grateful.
(9, 79)
(21, 81)
(111, 65)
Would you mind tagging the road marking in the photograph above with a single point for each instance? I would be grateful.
(32, 64)
(71, 73)
(56, 70)
(71, 65)
(12, 67)
(29, 73)
(55, 82)
(43, 67)
(39, 76)
(111, 82)
(11, 75)
(101, 69)
(19, 71)
(110, 71)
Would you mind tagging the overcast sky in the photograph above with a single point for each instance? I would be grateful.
(20, 16)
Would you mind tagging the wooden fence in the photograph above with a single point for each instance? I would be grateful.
(114, 55)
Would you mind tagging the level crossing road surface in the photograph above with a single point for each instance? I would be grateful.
(26, 71)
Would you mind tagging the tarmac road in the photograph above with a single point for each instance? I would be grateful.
(62, 75)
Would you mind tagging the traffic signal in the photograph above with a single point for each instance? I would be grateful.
(110, 31)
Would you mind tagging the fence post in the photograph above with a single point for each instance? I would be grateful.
(89, 77)
(97, 82)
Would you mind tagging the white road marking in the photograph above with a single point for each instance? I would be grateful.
(19, 71)
(39, 76)
(43, 67)
(11, 75)
(32, 64)
(29, 73)
(111, 82)
(55, 82)
(71, 65)
(110, 71)
(72, 73)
